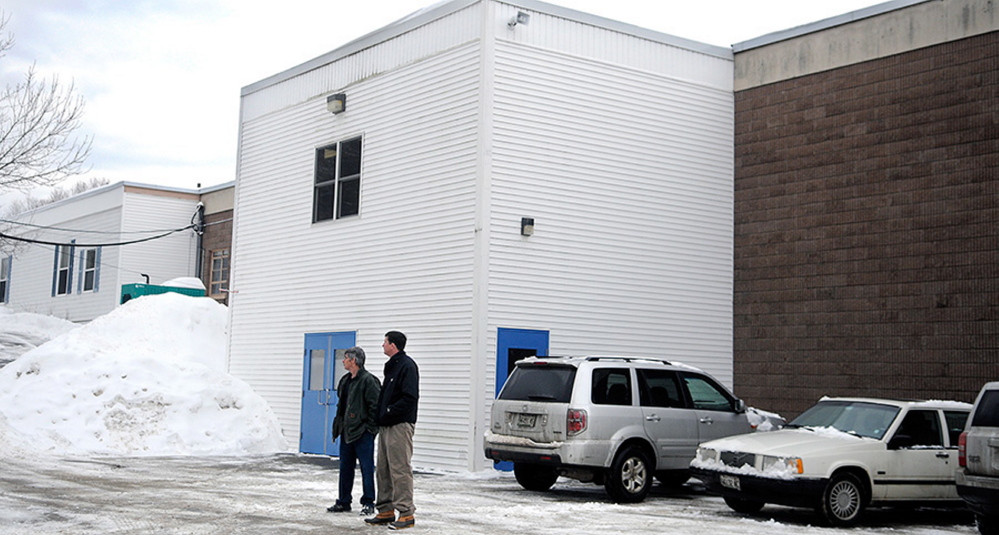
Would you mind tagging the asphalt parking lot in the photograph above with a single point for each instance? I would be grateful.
(288, 494)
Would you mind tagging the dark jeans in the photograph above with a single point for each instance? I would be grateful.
(362, 450)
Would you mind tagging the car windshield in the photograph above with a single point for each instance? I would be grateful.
(539, 383)
(854, 417)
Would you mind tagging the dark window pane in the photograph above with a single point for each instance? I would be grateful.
(350, 196)
(611, 386)
(350, 161)
(324, 203)
(987, 414)
(325, 164)
(539, 383)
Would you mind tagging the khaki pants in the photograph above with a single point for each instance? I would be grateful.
(394, 470)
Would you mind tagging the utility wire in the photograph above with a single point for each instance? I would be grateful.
(62, 244)
(81, 231)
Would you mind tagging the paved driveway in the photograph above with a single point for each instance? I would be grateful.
(288, 494)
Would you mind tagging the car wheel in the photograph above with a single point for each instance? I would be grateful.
(534, 476)
(843, 500)
(744, 506)
(630, 476)
(987, 525)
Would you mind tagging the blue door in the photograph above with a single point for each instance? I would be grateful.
(321, 371)
(513, 345)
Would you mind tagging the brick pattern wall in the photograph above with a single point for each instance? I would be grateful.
(218, 235)
(867, 230)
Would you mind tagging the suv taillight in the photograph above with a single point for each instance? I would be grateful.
(962, 450)
(575, 421)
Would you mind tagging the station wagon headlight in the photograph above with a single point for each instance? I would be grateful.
(707, 454)
(783, 465)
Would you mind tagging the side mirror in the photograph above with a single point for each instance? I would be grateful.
(900, 442)
(740, 406)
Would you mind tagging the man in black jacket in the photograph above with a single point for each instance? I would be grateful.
(397, 406)
(356, 424)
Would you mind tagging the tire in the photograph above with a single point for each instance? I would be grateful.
(744, 506)
(843, 500)
(987, 525)
(534, 476)
(673, 478)
(630, 477)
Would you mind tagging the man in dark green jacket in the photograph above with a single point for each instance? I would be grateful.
(355, 425)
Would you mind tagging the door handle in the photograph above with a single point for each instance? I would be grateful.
(706, 420)
(652, 418)
(943, 455)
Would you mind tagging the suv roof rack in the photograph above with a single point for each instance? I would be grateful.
(630, 359)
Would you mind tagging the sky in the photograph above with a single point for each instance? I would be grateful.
(145, 379)
(161, 78)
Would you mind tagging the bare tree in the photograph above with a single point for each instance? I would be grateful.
(38, 123)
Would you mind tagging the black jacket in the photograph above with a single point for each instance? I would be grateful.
(400, 393)
(357, 406)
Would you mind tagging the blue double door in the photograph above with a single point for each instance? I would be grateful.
(322, 370)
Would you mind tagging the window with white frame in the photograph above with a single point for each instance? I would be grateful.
(5, 263)
(220, 273)
(90, 268)
(62, 278)
(337, 191)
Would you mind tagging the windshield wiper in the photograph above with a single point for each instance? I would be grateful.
(541, 397)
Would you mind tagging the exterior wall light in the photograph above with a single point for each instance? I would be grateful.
(526, 226)
(336, 103)
(521, 18)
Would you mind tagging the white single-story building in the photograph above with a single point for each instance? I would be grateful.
(495, 179)
(70, 258)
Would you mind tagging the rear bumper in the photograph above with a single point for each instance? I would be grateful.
(800, 492)
(981, 493)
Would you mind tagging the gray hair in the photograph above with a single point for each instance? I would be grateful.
(357, 354)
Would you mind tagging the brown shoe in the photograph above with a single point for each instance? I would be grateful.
(381, 518)
(403, 522)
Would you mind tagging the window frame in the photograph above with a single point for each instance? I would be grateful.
(62, 273)
(342, 191)
(93, 272)
(6, 262)
(224, 255)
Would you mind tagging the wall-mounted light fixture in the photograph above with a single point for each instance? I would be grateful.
(526, 226)
(336, 103)
(520, 18)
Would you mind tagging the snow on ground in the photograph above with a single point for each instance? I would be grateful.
(21, 332)
(146, 379)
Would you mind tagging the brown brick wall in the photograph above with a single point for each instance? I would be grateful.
(867, 230)
(218, 235)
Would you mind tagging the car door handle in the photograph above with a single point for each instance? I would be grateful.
(943, 455)
(652, 418)
(707, 420)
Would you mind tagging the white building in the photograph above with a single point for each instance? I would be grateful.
(408, 210)
(73, 265)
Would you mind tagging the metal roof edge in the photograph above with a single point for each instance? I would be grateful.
(825, 24)
(442, 9)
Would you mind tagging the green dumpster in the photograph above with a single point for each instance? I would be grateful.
(131, 291)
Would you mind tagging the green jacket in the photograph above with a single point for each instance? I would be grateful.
(359, 412)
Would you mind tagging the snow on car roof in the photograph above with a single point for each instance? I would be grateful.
(932, 403)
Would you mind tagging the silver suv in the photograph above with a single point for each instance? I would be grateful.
(978, 456)
(615, 421)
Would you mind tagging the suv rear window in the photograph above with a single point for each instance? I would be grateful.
(539, 383)
(987, 414)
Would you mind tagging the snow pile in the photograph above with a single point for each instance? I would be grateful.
(145, 379)
(21, 332)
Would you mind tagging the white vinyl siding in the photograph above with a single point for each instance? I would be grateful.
(615, 139)
(403, 264)
(97, 217)
(629, 177)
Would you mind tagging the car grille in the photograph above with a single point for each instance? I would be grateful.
(737, 459)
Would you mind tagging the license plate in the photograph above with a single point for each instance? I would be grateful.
(731, 482)
(526, 420)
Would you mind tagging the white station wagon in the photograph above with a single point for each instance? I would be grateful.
(840, 456)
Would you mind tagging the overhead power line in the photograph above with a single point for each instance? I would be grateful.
(63, 244)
